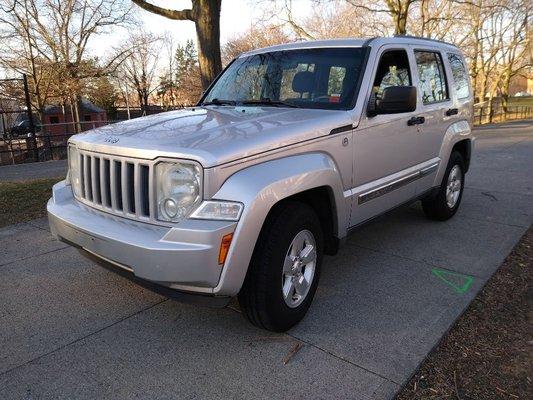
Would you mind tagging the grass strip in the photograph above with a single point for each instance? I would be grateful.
(487, 354)
(24, 201)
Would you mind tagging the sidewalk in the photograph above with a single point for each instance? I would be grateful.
(70, 329)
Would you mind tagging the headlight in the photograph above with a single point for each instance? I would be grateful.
(74, 170)
(179, 189)
(218, 210)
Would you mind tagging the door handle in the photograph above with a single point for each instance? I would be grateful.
(452, 111)
(416, 121)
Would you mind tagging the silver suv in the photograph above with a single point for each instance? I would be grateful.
(291, 148)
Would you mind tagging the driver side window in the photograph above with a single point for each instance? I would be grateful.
(393, 70)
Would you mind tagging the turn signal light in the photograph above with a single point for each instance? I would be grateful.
(224, 248)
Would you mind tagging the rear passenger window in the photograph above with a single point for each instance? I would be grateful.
(393, 70)
(460, 76)
(432, 80)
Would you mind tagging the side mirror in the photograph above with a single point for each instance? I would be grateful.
(394, 100)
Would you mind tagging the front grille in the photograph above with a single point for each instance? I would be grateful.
(116, 184)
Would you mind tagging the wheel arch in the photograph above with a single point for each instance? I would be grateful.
(322, 201)
(312, 178)
(458, 137)
(464, 147)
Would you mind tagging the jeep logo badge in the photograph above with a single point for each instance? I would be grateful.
(111, 140)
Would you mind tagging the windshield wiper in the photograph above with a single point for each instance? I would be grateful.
(268, 102)
(219, 102)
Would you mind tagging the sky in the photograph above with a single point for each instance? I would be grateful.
(236, 17)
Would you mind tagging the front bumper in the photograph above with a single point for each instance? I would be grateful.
(183, 257)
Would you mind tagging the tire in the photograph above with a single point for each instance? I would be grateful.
(261, 298)
(440, 207)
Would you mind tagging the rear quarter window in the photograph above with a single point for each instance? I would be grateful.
(460, 76)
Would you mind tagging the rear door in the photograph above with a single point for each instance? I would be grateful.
(436, 107)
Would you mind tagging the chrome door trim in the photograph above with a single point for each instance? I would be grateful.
(381, 187)
(429, 169)
(389, 187)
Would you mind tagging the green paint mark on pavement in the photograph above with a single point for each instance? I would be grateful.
(461, 283)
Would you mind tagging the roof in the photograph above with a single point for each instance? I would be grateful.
(352, 42)
(85, 107)
(310, 44)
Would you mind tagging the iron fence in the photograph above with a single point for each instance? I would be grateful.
(48, 143)
(14, 103)
(484, 114)
(32, 141)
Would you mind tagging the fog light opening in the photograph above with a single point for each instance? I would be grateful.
(171, 208)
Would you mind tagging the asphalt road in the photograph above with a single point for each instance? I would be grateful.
(72, 330)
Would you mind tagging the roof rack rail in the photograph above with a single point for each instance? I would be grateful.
(423, 38)
(369, 40)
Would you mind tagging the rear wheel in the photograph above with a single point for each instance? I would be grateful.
(285, 268)
(445, 203)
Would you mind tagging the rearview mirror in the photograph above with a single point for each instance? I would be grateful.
(394, 100)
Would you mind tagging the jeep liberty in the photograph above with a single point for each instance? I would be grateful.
(291, 148)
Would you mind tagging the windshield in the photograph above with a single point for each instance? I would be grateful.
(309, 78)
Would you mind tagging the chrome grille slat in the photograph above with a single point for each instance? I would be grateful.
(103, 180)
(120, 185)
(124, 186)
(138, 189)
(95, 179)
(87, 180)
(113, 185)
(82, 175)
(152, 206)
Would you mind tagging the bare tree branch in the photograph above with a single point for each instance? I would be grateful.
(165, 12)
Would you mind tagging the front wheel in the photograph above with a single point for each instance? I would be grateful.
(285, 268)
(445, 203)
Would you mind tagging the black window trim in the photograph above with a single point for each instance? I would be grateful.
(388, 50)
(439, 53)
(369, 88)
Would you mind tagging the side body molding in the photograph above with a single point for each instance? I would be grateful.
(261, 186)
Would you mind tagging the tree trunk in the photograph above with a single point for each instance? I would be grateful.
(491, 108)
(140, 97)
(505, 92)
(424, 12)
(206, 16)
(146, 95)
(76, 100)
(207, 23)
(483, 87)
(475, 56)
(400, 22)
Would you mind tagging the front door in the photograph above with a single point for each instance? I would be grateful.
(386, 154)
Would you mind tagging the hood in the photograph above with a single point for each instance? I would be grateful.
(212, 135)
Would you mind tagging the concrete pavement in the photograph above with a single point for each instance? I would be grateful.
(70, 329)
